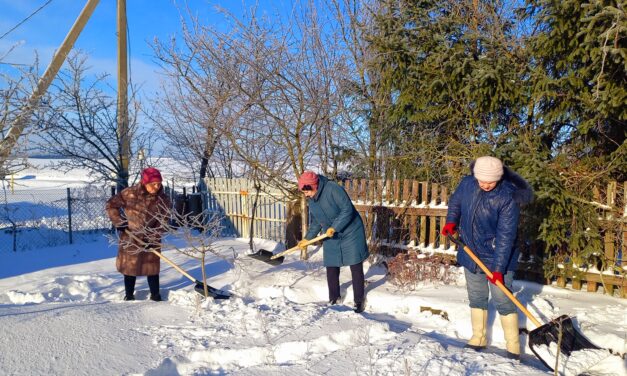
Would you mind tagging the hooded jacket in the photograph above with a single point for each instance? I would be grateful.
(488, 221)
(331, 207)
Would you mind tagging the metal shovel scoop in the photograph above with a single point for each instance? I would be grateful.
(559, 333)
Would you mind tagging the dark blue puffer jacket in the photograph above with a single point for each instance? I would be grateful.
(487, 222)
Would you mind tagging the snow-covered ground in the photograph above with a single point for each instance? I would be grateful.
(62, 313)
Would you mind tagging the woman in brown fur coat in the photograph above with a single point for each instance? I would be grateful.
(141, 210)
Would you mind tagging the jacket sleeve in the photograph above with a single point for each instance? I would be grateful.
(346, 209)
(454, 211)
(314, 227)
(506, 230)
(113, 209)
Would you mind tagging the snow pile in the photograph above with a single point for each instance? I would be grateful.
(574, 364)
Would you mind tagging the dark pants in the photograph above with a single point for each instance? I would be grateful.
(153, 284)
(333, 281)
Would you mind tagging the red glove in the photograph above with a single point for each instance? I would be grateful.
(496, 276)
(449, 229)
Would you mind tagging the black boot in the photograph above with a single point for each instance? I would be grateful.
(359, 307)
(153, 285)
(129, 287)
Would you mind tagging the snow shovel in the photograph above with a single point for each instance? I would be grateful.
(199, 287)
(559, 333)
(294, 249)
(272, 259)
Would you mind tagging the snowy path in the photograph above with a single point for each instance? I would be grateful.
(84, 338)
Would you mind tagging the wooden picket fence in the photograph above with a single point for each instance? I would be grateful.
(611, 208)
(234, 199)
(404, 215)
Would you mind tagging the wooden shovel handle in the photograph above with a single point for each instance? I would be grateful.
(498, 283)
(135, 238)
(294, 249)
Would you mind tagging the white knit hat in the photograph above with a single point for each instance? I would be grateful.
(488, 169)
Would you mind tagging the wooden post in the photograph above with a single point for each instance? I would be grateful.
(363, 194)
(413, 225)
(23, 117)
(592, 286)
(388, 191)
(397, 192)
(380, 191)
(433, 219)
(610, 255)
(404, 222)
(122, 105)
(608, 288)
(423, 218)
(443, 200)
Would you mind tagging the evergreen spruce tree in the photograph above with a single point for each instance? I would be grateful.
(574, 134)
(455, 70)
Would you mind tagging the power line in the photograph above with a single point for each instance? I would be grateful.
(25, 19)
(14, 64)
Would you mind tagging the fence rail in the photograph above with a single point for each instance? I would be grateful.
(235, 199)
(406, 215)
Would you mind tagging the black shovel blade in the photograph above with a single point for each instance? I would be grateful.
(545, 340)
(266, 256)
(212, 291)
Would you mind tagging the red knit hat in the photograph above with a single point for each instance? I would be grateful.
(151, 175)
(309, 178)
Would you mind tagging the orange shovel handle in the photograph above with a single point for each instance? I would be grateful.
(498, 283)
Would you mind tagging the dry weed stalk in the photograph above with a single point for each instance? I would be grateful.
(406, 270)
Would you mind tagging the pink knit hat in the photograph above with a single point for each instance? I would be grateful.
(309, 178)
(488, 169)
(151, 175)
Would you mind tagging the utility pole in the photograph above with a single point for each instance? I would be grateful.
(21, 121)
(123, 131)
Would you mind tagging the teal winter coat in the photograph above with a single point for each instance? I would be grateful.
(331, 207)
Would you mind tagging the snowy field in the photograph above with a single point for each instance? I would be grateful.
(62, 313)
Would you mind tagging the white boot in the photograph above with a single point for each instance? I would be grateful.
(512, 340)
(479, 320)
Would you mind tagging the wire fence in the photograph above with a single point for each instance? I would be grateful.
(37, 218)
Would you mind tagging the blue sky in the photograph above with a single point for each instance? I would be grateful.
(147, 19)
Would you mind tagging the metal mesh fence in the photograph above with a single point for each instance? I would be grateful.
(37, 218)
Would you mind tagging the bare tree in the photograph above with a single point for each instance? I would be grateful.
(82, 126)
(194, 235)
(199, 234)
(365, 98)
(16, 84)
(267, 87)
(265, 90)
